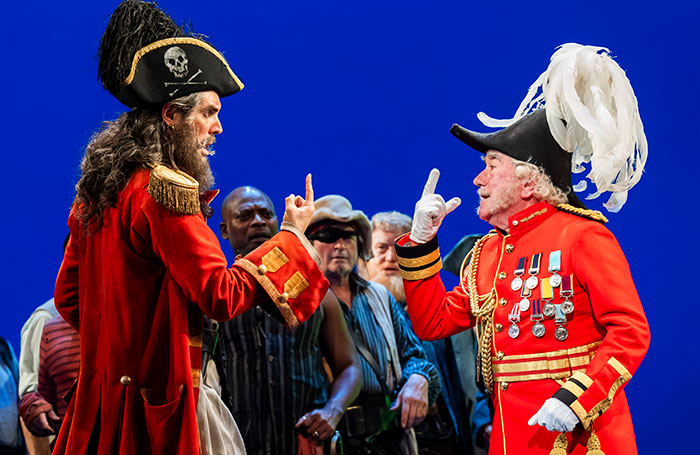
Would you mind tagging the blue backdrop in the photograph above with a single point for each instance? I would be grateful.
(362, 94)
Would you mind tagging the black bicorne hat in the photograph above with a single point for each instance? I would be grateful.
(529, 140)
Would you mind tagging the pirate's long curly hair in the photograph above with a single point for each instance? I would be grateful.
(137, 139)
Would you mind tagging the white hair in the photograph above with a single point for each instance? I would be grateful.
(545, 190)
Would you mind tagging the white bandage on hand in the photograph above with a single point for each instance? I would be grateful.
(555, 416)
(430, 210)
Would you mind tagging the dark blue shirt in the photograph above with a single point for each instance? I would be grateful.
(274, 376)
(361, 319)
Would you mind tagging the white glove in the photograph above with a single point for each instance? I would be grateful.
(555, 416)
(430, 210)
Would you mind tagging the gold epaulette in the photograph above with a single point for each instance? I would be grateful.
(175, 190)
(594, 215)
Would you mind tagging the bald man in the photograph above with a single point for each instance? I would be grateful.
(281, 395)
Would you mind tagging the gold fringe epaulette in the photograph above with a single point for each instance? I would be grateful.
(175, 190)
(594, 215)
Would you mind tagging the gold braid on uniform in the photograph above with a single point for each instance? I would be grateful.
(594, 215)
(482, 308)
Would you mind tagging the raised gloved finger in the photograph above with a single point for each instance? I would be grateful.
(432, 182)
(452, 204)
(309, 189)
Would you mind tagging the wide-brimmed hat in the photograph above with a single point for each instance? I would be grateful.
(529, 140)
(335, 208)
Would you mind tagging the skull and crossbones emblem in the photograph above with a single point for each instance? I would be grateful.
(176, 61)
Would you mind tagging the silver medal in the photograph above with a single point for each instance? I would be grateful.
(560, 333)
(555, 280)
(538, 329)
(516, 284)
(514, 331)
(567, 307)
(524, 305)
(532, 282)
(549, 309)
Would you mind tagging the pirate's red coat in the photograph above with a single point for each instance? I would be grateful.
(608, 334)
(136, 289)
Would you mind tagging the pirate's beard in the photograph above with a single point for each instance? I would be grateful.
(187, 155)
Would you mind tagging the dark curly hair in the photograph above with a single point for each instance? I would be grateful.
(137, 139)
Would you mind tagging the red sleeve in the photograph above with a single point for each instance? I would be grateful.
(435, 313)
(66, 291)
(190, 251)
(618, 310)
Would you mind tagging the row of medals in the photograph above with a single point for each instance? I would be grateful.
(549, 309)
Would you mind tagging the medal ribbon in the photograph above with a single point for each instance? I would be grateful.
(535, 265)
(536, 311)
(554, 261)
(559, 316)
(567, 286)
(547, 291)
(521, 266)
(514, 315)
(525, 292)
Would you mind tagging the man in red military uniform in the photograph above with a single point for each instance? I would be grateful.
(561, 327)
(142, 267)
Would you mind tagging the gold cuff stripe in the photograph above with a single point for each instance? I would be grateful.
(271, 290)
(581, 377)
(421, 274)
(196, 341)
(573, 388)
(580, 413)
(620, 368)
(274, 259)
(412, 263)
(182, 40)
(295, 285)
(196, 376)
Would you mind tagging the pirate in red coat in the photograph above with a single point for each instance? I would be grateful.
(561, 327)
(142, 267)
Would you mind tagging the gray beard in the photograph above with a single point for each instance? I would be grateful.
(394, 283)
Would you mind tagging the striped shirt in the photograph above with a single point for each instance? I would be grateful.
(274, 376)
(59, 363)
(361, 320)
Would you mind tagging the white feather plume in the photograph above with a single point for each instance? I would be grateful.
(587, 89)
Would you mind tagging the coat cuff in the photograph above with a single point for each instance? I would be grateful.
(286, 270)
(589, 398)
(31, 405)
(418, 262)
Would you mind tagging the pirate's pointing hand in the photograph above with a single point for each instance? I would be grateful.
(430, 210)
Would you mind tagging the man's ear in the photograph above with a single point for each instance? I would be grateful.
(528, 188)
(169, 114)
(224, 230)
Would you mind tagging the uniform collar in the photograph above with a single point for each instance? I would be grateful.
(527, 219)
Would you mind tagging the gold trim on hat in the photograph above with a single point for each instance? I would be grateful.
(181, 40)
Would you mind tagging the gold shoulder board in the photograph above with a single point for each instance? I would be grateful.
(594, 215)
(174, 190)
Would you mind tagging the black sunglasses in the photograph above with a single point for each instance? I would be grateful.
(332, 235)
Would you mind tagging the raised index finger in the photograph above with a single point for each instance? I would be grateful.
(309, 189)
(432, 182)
